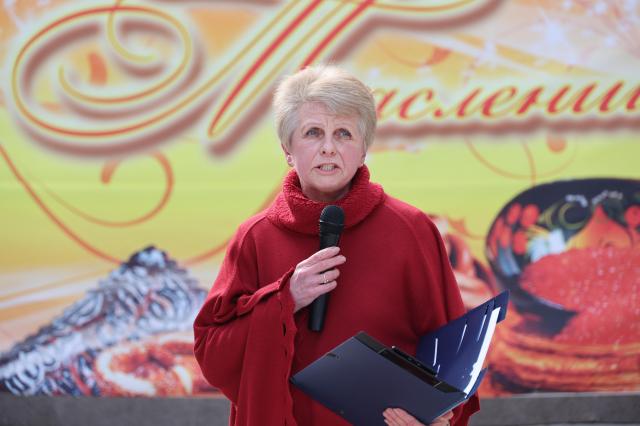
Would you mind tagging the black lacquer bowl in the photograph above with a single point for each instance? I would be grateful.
(553, 218)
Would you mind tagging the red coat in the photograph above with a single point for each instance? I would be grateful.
(396, 285)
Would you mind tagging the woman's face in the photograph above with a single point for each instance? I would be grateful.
(326, 151)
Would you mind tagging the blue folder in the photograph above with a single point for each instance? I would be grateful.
(362, 377)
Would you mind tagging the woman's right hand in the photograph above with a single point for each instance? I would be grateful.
(315, 276)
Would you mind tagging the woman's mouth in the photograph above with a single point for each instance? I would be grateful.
(327, 167)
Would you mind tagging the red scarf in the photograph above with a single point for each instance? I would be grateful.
(293, 210)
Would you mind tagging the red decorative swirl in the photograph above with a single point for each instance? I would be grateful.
(437, 55)
(72, 235)
(131, 135)
(532, 175)
(220, 247)
(260, 61)
(107, 171)
(337, 30)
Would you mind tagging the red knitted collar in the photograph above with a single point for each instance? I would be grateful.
(293, 210)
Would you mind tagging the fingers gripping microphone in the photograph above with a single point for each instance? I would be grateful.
(331, 224)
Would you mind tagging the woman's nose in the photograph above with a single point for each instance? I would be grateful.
(328, 145)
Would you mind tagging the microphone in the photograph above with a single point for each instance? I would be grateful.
(331, 224)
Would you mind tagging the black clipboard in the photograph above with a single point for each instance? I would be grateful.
(362, 377)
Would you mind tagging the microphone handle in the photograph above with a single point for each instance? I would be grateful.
(319, 305)
(317, 313)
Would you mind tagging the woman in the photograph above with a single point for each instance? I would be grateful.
(390, 277)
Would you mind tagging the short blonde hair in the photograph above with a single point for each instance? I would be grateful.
(339, 91)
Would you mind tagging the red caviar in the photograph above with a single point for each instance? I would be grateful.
(601, 284)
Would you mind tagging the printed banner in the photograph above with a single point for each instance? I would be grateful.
(137, 135)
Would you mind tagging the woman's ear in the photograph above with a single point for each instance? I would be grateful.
(287, 156)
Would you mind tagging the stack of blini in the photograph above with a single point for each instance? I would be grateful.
(598, 349)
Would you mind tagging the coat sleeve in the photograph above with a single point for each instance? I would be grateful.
(244, 336)
(444, 296)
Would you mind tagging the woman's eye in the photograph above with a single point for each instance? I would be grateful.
(343, 134)
(313, 132)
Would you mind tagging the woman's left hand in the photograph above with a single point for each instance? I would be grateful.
(399, 417)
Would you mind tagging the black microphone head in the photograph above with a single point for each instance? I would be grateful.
(332, 220)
